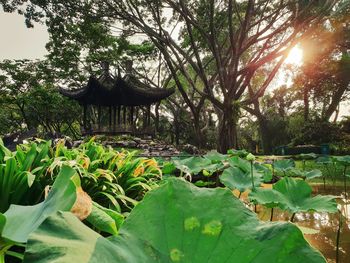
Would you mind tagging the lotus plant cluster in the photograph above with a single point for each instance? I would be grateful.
(98, 184)
(94, 204)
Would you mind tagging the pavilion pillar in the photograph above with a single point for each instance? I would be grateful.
(149, 115)
(110, 117)
(124, 116)
(114, 118)
(144, 117)
(136, 116)
(132, 115)
(99, 117)
(84, 117)
(119, 109)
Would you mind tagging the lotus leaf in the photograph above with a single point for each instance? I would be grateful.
(324, 160)
(307, 156)
(194, 165)
(215, 157)
(307, 174)
(240, 163)
(265, 171)
(235, 178)
(295, 196)
(173, 224)
(343, 160)
(239, 153)
(284, 165)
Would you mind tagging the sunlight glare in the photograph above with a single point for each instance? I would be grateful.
(295, 56)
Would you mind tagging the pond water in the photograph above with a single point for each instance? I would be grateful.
(324, 226)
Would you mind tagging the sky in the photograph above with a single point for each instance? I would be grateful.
(19, 42)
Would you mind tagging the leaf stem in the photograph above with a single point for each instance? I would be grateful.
(344, 177)
(15, 254)
(251, 172)
(271, 216)
(292, 218)
(338, 237)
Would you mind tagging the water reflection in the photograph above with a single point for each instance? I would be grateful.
(327, 224)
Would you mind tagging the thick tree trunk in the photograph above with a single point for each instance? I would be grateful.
(227, 131)
(156, 119)
(199, 139)
(177, 133)
(265, 134)
(306, 104)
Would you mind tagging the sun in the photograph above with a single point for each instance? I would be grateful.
(295, 56)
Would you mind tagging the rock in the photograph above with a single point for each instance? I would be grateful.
(125, 144)
(137, 140)
(77, 143)
(68, 142)
(191, 149)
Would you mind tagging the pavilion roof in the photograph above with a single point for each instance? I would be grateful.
(109, 91)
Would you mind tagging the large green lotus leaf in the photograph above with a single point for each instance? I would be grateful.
(240, 163)
(307, 174)
(313, 174)
(266, 197)
(215, 157)
(323, 160)
(245, 166)
(295, 196)
(62, 238)
(235, 178)
(307, 156)
(239, 153)
(265, 171)
(194, 165)
(176, 222)
(344, 160)
(284, 165)
(22, 220)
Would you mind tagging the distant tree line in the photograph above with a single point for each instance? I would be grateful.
(222, 57)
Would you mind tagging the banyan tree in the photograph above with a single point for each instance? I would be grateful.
(117, 105)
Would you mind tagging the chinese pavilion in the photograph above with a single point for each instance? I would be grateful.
(117, 105)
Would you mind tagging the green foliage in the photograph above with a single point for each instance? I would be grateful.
(306, 156)
(22, 220)
(31, 100)
(194, 165)
(177, 208)
(294, 196)
(215, 157)
(113, 179)
(239, 153)
(18, 222)
(343, 160)
(284, 166)
(307, 174)
(18, 172)
(317, 132)
(104, 219)
(236, 178)
(323, 160)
